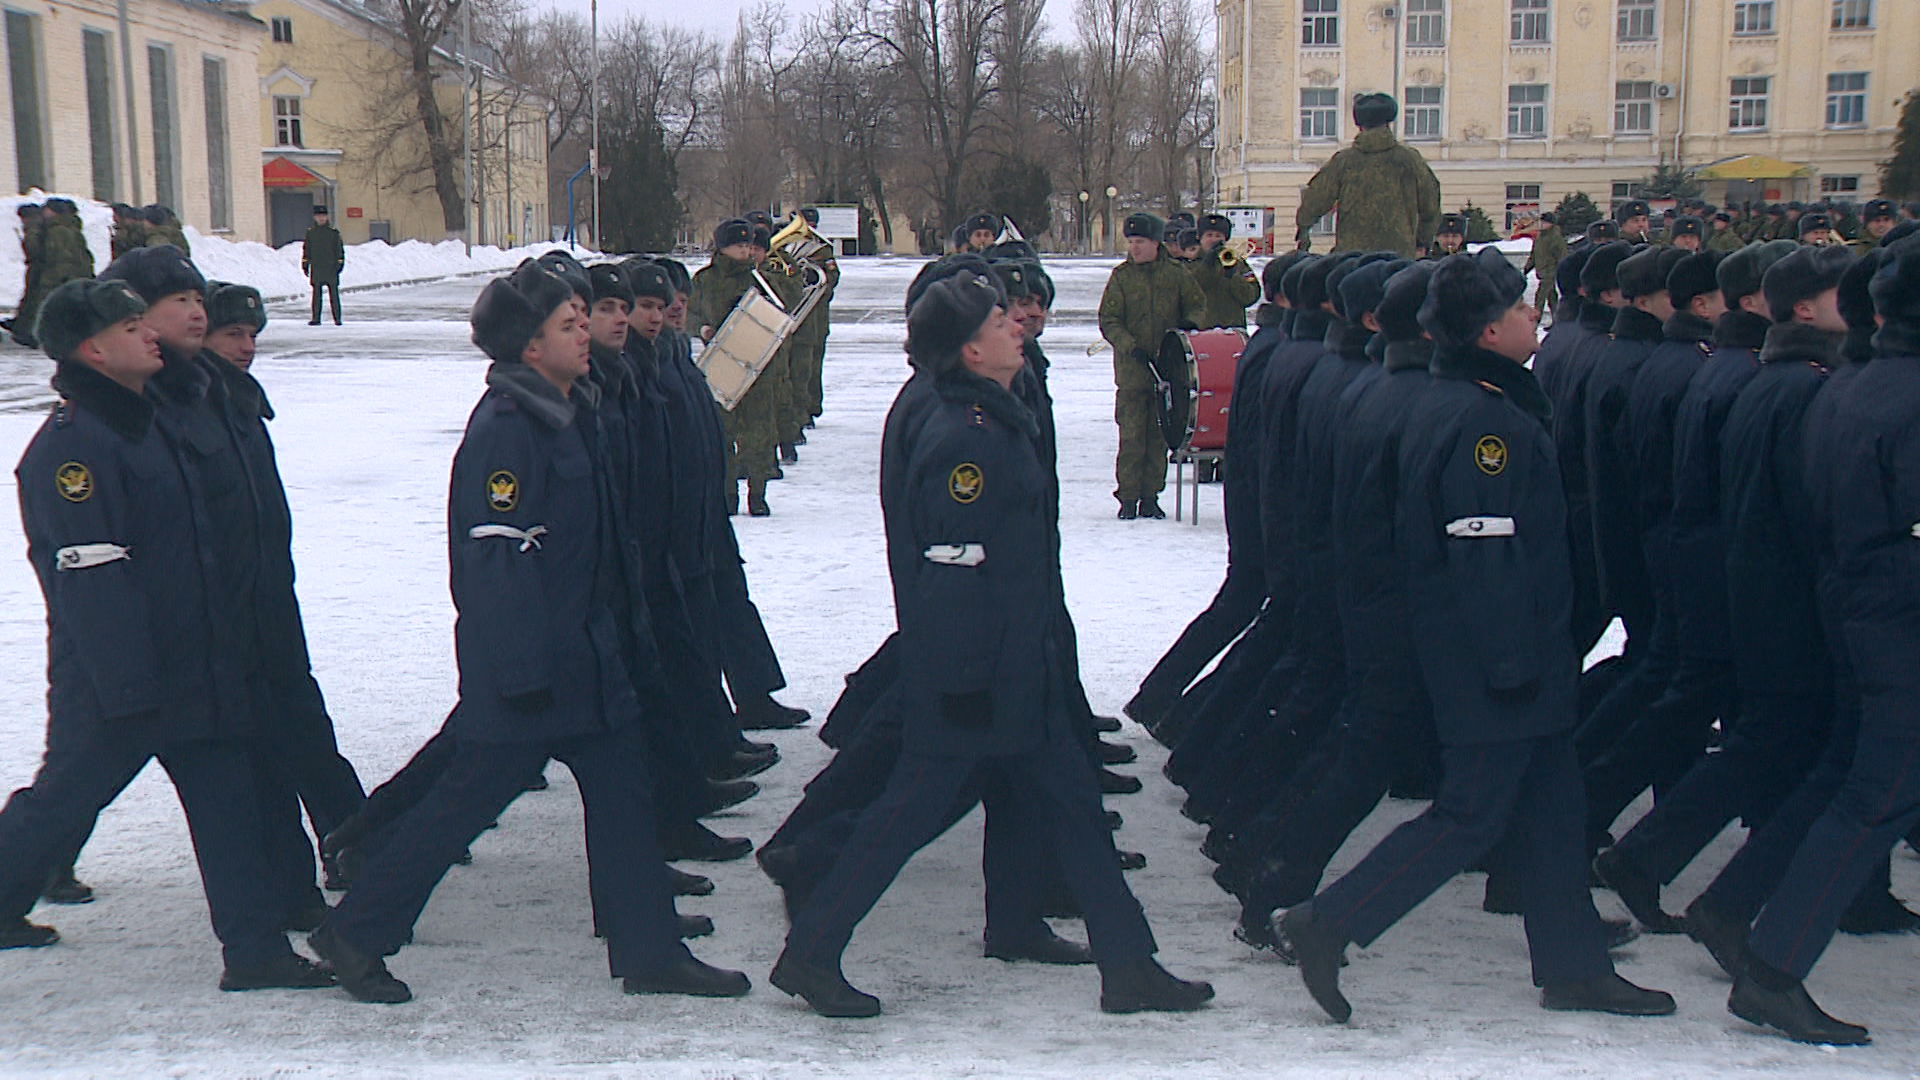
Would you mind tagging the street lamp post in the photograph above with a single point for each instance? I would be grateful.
(1086, 227)
(593, 152)
(1111, 193)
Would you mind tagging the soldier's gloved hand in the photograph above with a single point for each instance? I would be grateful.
(1143, 356)
(1515, 695)
(973, 710)
(532, 701)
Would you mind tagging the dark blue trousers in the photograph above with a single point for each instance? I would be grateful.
(628, 878)
(746, 653)
(1051, 788)
(1233, 610)
(1659, 747)
(85, 771)
(1531, 786)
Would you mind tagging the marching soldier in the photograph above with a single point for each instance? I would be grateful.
(1388, 197)
(321, 257)
(1549, 247)
(1226, 281)
(1146, 296)
(57, 253)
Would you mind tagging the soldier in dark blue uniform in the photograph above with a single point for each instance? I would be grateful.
(1864, 481)
(982, 684)
(542, 672)
(1489, 598)
(1243, 592)
(119, 537)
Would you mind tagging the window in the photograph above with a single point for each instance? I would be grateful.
(1527, 111)
(166, 142)
(1426, 23)
(1852, 14)
(1747, 109)
(1632, 108)
(282, 30)
(213, 88)
(1624, 191)
(1320, 22)
(97, 57)
(23, 77)
(1839, 185)
(1522, 199)
(1753, 17)
(286, 121)
(1847, 99)
(1636, 20)
(1530, 22)
(1420, 118)
(1319, 114)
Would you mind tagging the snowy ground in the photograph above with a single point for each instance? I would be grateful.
(509, 981)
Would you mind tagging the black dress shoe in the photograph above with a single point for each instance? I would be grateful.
(64, 888)
(823, 988)
(697, 843)
(1197, 810)
(1049, 948)
(365, 977)
(1607, 994)
(1793, 1013)
(758, 507)
(1106, 725)
(1254, 928)
(1724, 938)
(1148, 711)
(1142, 985)
(1113, 820)
(1620, 932)
(762, 713)
(1115, 753)
(1501, 896)
(289, 972)
(307, 916)
(739, 766)
(684, 884)
(789, 453)
(1150, 508)
(1129, 510)
(1318, 952)
(1131, 860)
(693, 926)
(538, 783)
(748, 746)
(331, 877)
(1878, 912)
(1639, 892)
(21, 934)
(718, 795)
(691, 977)
(1113, 783)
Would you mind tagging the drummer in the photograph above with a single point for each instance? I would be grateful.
(1134, 315)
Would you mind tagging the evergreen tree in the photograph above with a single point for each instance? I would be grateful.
(639, 202)
(1900, 174)
(1480, 228)
(1670, 182)
(1575, 212)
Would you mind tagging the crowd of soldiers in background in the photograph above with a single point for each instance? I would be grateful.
(54, 245)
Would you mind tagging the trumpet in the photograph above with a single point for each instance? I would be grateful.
(1228, 257)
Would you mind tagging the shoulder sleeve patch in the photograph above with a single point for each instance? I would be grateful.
(74, 481)
(503, 491)
(965, 482)
(1490, 455)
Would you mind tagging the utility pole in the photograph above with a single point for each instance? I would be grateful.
(466, 125)
(593, 152)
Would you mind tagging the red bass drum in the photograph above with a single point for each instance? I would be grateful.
(1195, 374)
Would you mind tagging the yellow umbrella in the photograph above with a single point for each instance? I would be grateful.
(1752, 167)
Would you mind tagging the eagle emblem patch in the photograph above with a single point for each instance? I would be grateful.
(1490, 454)
(964, 483)
(74, 482)
(503, 491)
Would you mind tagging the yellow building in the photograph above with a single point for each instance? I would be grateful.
(1516, 103)
(339, 128)
(152, 101)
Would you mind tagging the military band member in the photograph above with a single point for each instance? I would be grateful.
(1225, 279)
(1146, 296)
(1450, 238)
(753, 426)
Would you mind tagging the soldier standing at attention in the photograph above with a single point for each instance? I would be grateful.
(1224, 277)
(1389, 200)
(321, 258)
(1147, 296)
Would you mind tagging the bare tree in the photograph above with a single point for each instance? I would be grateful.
(940, 52)
(1178, 99)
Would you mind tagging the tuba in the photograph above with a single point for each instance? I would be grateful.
(791, 250)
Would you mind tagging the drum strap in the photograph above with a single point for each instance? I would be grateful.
(767, 289)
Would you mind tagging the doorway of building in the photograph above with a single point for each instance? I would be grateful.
(290, 212)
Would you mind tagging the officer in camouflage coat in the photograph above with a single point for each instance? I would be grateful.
(1389, 200)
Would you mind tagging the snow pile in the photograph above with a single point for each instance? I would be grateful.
(274, 271)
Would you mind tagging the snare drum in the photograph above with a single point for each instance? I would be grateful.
(1195, 370)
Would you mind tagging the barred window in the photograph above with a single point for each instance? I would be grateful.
(1427, 23)
(1319, 114)
(1320, 22)
(1632, 108)
(1527, 111)
(1852, 14)
(1420, 114)
(1530, 21)
(1847, 99)
(1747, 108)
(1636, 20)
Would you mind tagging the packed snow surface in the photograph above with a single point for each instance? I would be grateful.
(511, 983)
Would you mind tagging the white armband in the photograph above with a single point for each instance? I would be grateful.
(1480, 526)
(956, 554)
(81, 556)
(529, 538)
(1916, 530)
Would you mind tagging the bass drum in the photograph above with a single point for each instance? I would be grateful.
(1195, 374)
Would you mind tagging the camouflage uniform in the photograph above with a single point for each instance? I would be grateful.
(62, 256)
(809, 349)
(1725, 240)
(753, 426)
(33, 231)
(1228, 293)
(789, 418)
(166, 230)
(128, 234)
(1389, 199)
(1141, 303)
(1549, 247)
